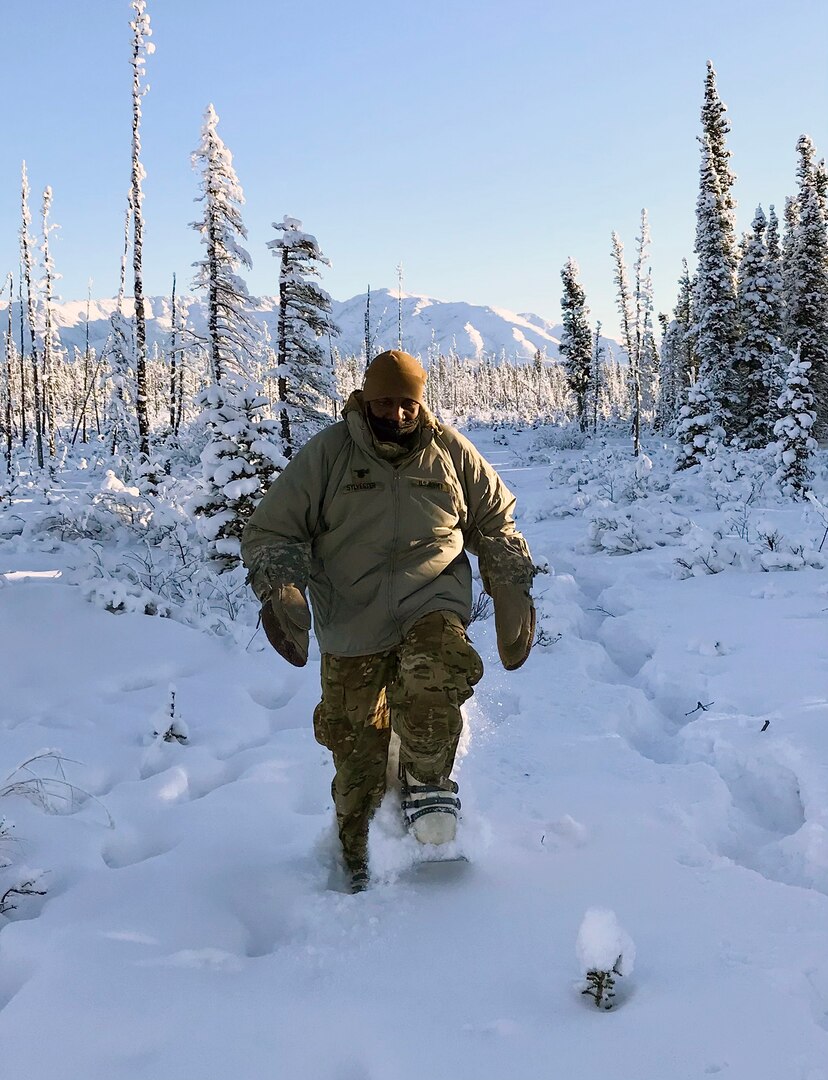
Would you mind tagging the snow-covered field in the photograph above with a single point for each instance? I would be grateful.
(663, 754)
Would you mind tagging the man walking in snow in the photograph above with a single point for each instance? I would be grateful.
(374, 515)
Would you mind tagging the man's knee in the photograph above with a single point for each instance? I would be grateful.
(438, 660)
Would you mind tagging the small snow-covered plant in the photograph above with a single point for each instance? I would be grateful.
(545, 640)
(481, 607)
(739, 520)
(6, 839)
(28, 885)
(8, 489)
(821, 514)
(172, 728)
(637, 477)
(605, 952)
(769, 537)
(600, 985)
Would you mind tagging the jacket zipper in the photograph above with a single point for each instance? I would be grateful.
(395, 490)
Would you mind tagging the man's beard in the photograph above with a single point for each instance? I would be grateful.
(393, 431)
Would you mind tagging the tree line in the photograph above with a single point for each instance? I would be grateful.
(743, 358)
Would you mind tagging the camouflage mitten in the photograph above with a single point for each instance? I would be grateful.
(514, 623)
(286, 621)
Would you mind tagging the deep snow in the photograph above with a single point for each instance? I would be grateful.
(202, 935)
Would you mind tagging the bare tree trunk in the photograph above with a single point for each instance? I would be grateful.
(8, 401)
(141, 31)
(399, 305)
(630, 339)
(26, 250)
(173, 365)
(48, 359)
(24, 432)
(86, 363)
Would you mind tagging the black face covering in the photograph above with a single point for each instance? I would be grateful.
(392, 430)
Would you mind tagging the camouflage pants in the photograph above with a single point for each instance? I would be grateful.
(415, 689)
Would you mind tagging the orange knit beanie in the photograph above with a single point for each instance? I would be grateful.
(394, 374)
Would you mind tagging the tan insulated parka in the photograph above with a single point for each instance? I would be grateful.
(381, 541)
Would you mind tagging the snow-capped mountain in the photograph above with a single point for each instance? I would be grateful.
(428, 325)
(441, 325)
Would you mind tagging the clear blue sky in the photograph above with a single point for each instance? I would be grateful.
(480, 143)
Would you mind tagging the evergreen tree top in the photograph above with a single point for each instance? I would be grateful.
(304, 245)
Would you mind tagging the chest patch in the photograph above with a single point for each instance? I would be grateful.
(435, 485)
(366, 485)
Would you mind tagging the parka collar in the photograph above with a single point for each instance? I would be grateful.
(355, 416)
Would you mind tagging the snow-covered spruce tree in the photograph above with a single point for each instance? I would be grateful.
(243, 450)
(759, 346)
(697, 433)
(53, 353)
(230, 329)
(688, 362)
(667, 376)
(807, 298)
(716, 127)
(142, 47)
(716, 330)
(241, 457)
(576, 340)
(788, 266)
(795, 444)
(677, 364)
(774, 376)
(307, 388)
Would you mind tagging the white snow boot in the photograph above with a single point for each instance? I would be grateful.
(430, 811)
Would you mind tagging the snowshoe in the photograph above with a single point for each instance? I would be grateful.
(430, 811)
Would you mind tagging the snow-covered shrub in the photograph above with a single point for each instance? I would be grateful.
(618, 534)
(711, 552)
(552, 437)
(173, 579)
(636, 529)
(774, 552)
(707, 552)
